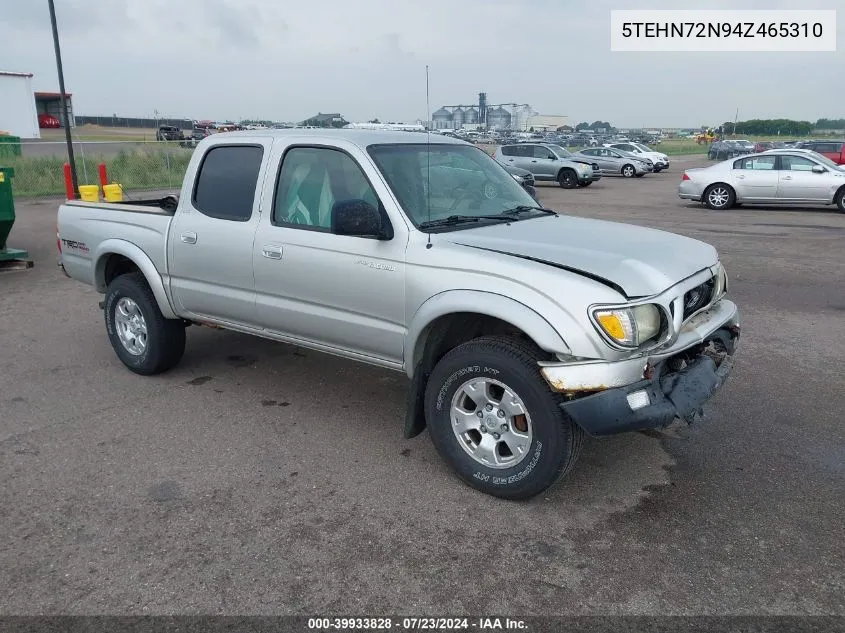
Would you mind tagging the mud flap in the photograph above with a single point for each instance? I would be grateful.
(415, 411)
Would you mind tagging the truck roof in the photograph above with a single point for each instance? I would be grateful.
(362, 138)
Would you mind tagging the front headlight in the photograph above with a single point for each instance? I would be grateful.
(630, 327)
(517, 178)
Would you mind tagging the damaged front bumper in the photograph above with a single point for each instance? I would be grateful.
(644, 393)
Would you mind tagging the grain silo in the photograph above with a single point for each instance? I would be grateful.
(441, 119)
(498, 118)
(458, 117)
(471, 116)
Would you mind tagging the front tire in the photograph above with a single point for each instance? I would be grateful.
(567, 179)
(142, 338)
(494, 420)
(587, 184)
(628, 171)
(719, 196)
(839, 200)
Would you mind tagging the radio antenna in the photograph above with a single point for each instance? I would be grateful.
(428, 155)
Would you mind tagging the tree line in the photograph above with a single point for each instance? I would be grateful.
(773, 127)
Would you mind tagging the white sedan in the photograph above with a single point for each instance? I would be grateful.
(773, 177)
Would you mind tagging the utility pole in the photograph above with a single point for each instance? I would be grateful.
(63, 99)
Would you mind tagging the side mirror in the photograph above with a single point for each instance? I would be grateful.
(531, 191)
(818, 169)
(358, 218)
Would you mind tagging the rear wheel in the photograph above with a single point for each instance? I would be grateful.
(719, 196)
(639, 175)
(142, 338)
(494, 420)
(567, 179)
(628, 171)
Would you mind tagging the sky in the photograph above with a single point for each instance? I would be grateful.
(285, 61)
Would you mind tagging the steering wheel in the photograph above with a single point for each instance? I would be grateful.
(488, 191)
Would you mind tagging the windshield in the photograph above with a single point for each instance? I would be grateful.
(825, 160)
(561, 151)
(641, 147)
(436, 181)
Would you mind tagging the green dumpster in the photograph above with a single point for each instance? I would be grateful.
(7, 216)
(10, 146)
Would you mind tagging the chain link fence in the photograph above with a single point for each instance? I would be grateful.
(136, 165)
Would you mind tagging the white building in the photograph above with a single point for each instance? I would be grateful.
(18, 114)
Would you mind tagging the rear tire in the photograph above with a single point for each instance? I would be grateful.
(497, 377)
(142, 338)
(719, 196)
(567, 179)
(639, 175)
(628, 171)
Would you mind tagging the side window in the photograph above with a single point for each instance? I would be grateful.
(508, 150)
(542, 152)
(311, 180)
(796, 163)
(827, 147)
(523, 151)
(225, 186)
(758, 163)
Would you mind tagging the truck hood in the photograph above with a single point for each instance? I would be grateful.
(632, 259)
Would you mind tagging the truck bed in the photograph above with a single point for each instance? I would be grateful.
(85, 227)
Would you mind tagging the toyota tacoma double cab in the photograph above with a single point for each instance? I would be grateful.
(520, 329)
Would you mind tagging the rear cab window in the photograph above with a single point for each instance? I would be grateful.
(226, 182)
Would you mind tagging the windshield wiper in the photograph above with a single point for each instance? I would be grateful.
(524, 208)
(461, 219)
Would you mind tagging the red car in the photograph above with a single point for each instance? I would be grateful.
(48, 121)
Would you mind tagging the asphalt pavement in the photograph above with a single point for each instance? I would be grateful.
(258, 478)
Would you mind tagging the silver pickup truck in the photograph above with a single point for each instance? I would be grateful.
(519, 328)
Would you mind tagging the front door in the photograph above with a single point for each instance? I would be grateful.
(798, 181)
(333, 290)
(210, 242)
(756, 178)
(544, 163)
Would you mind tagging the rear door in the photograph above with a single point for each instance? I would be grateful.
(756, 178)
(210, 240)
(797, 180)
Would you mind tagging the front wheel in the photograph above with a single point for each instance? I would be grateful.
(840, 200)
(142, 338)
(719, 196)
(628, 171)
(587, 184)
(567, 179)
(640, 175)
(494, 420)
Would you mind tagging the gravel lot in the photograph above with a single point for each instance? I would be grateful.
(258, 478)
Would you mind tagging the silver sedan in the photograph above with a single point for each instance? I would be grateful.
(616, 162)
(773, 177)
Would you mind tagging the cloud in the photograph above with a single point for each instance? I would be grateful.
(286, 61)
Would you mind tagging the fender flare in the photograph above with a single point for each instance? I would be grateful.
(144, 264)
(481, 302)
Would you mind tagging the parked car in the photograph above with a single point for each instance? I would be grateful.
(659, 159)
(545, 164)
(47, 121)
(776, 176)
(169, 133)
(721, 150)
(564, 153)
(834, 150)
(524, 177)
(520, 329)
(616, 162)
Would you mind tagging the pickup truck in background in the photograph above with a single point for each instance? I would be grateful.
(520, 329)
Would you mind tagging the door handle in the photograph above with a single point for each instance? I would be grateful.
(533, 161)
(740, 177)
(272, 251)
(787, 177)
(189, 237)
